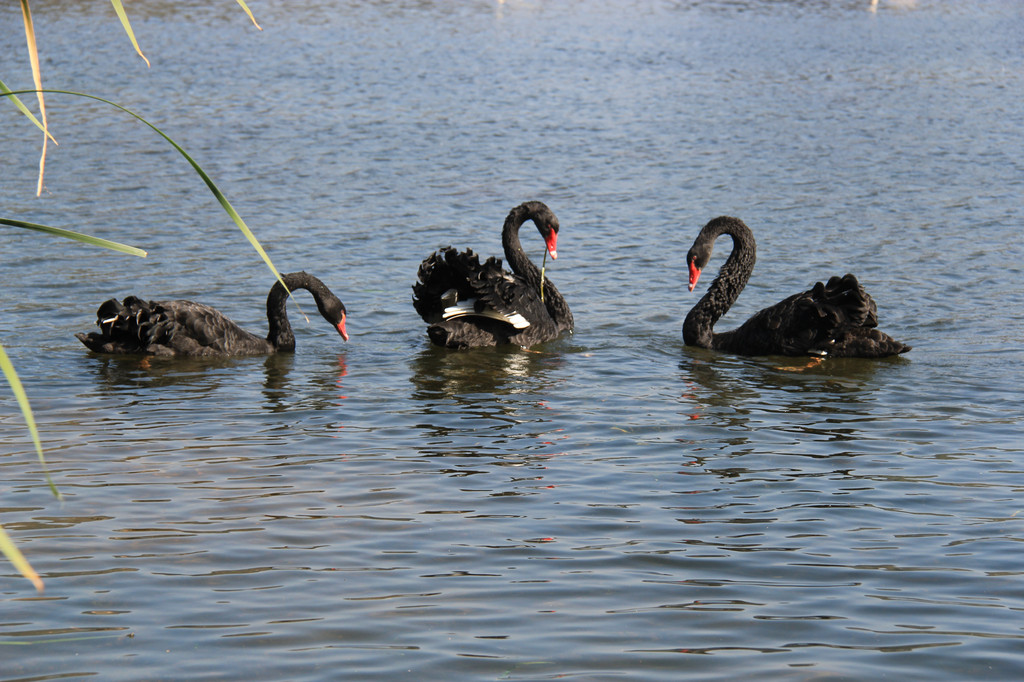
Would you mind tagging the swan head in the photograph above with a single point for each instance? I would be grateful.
(696, 260)
(741, 258)
(547, 225)
(700, 253)
(333, 310)
(341, 328)
(546, 222)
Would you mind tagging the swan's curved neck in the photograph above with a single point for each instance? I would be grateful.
(521, 264)
(514, 254)
(280, 334)
(731, 279)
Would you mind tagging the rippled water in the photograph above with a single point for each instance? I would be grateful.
(611, 505)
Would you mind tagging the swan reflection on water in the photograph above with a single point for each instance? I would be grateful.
(201, 375)
(285, 385)
(827, 411)
(484, 397)
(319, 388)
(731, 383)
(470, 375)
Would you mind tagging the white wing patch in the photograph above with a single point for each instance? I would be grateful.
(467, 308)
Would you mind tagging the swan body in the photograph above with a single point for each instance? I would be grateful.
(136, 326)
(837, 318)
(466, 303)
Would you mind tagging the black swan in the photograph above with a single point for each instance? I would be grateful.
(187, 328)
(835, 319)
(467, 304)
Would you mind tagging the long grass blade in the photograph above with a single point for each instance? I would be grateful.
(77, 236)
(119, 9)
(33, 57)
(221, 199)
(251, 17)
(15, 556)
(25, 110)
(26, 410)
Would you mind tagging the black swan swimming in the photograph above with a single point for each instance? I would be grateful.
(835, 319)
(186, 328)
(467, 304)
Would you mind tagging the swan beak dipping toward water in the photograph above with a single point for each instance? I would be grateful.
(552, 243)
(180, 327)
(694, 274)
(551, 240)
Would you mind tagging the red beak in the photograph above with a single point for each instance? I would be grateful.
(552, 242)
(341, 328)
(694, 275)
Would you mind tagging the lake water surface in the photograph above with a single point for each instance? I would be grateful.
(611, 505)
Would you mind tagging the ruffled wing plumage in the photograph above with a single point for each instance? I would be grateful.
(837, 318)
(168, 328)
(468, 303)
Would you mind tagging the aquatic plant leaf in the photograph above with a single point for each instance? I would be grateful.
(119, 9)
(15, 556)
(33, 57)
(221, 199)
(26, 410)
(25, 110)
(77, 236)
(251, 17)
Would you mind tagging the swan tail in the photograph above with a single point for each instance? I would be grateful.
(128, 326)
(843, 301)
(453, 284)
(844, 318)
(439, 274)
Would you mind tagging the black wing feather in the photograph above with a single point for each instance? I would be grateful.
(492, 287)
(166, 328)
(836, 318)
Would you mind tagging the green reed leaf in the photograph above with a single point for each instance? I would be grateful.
(14, 555)
(221, 199)
(26, 410)
(119, 9)
(77, 236)
(251, 17)
(4, 90)
(37, 78)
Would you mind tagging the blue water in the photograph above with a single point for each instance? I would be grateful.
(610, 505)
